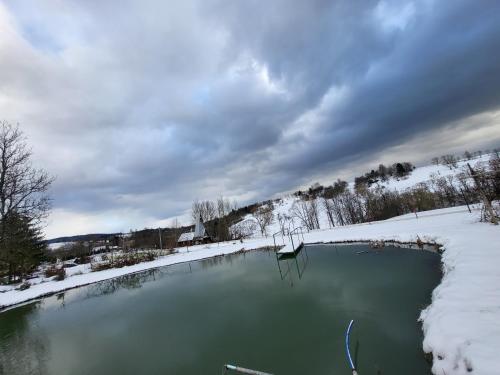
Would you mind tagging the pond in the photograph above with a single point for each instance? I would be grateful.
(242, 309)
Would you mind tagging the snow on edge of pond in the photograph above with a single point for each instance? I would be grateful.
(462, 324)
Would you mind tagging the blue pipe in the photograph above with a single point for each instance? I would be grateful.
(349, 358)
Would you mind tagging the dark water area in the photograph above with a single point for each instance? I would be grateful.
(284, 317)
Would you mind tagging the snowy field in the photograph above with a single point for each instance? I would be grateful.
(461, 326)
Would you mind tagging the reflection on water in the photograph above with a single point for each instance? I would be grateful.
(193, 317)
(132, 281)
(289, 263)
(22, 351)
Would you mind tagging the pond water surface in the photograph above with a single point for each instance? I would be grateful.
(241, 309)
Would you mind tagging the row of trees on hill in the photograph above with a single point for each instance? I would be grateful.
(23, 205)
(384, 173)
(224, 220)
(451, 161)
(219, 217)
(344, 206)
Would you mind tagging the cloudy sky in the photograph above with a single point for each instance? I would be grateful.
(139, 107)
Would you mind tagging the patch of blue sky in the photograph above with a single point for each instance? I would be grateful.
(202, 95)
(41, 39)
(31, 24)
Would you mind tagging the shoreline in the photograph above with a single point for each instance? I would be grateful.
(432, 247)
(406, 245)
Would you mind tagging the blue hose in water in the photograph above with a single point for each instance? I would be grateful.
(347, 344)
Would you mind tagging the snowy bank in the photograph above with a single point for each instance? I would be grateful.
(461, 326)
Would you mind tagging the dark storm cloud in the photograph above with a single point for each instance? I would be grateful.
(143, 106)
(445, 72)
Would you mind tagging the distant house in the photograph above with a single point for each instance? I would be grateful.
(198, 236)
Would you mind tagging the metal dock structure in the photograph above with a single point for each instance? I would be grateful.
(292, 240)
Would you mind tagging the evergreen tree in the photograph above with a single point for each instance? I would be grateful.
(22, 246)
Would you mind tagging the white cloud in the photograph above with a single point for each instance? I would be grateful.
(394, 15)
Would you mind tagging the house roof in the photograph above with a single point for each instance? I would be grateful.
(188, 236)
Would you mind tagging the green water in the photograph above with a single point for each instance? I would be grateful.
(192, 318)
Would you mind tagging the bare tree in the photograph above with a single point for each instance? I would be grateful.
(283, 220)
(207, 210)
(22, 187)
(336, 193)
(482, 188)
(314, 212)
(306, 211)
(224, 207)
(24, 202)
(215, 215)
(449, 160)
(264, 217)
(222, 223)
(329, 209)
(243, 229)
(171, 240)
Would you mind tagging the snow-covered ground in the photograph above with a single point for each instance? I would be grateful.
(461, 326)
(425, 173)
(58, 245)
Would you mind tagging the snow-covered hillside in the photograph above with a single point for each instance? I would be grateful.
(425, 173)
(282, 207)
(58, 245)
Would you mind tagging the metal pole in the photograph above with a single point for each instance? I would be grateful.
(465, 199)
(349, 358)
(279, 267)
(289, 272)
(243, 370)
(159, 233)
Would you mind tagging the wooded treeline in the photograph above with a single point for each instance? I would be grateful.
(220, 215)
(344, 206)
(384, 173)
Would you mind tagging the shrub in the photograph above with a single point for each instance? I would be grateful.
(58, 272)
(100, 266)
(61, 275)
(83, 259)
(123, 260)
(24, 286)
